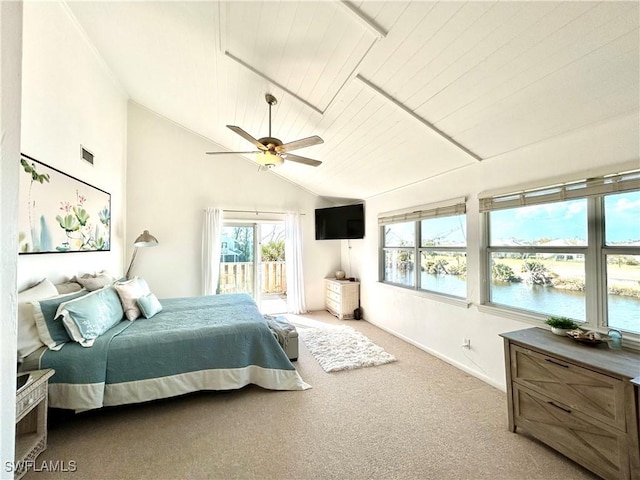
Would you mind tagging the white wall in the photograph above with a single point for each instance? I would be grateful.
(439, 327)
(170, 182)
(10, 58)
(69, 98)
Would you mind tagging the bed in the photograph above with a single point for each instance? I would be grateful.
(216, 342)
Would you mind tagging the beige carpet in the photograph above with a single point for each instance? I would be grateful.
(417, 418)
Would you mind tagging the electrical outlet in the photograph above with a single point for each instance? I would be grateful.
(466, 343)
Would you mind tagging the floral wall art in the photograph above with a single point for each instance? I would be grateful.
(59, 213)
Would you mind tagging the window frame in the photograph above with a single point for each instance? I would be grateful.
(595, 252)
(416, 215)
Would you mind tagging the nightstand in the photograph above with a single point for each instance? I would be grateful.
(342, 297)
(31, 420)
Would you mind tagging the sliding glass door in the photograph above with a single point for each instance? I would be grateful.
(237, 265)
(252, 261)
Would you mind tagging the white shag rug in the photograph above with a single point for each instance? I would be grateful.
(343, 348)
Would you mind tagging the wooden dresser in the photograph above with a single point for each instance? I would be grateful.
(342, 297)
(579, 400)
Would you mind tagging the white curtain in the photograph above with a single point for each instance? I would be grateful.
(293, 257)
(211, 249)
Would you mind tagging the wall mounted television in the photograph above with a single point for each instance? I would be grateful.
(340, 223)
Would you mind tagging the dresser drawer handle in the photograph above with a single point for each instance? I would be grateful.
(551, 360)
(564, 409)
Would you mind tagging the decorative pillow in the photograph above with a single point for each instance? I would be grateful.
(28, 337)
(51, 330)
(88, 317)
(96, 281)
(68, 287)
(149, 305)
(129, 291)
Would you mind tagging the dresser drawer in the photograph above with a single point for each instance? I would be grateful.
(334, 287)
(332, 305)
(32, 396)
(593, 444)
(580, 389)
(333, 295)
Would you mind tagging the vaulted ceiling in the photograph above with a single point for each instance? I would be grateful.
(399, 91)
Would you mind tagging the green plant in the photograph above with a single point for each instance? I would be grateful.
(501, 272)
(273, 251)
(561, 322)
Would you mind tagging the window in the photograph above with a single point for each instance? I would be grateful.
(622, 260)
(399, 253)
(426, 249)
(568, 250)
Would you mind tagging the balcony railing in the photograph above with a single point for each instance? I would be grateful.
(237, 277)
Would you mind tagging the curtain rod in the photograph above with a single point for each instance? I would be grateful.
(257, 212)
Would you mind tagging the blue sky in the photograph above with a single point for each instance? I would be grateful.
(552, 221)
(568, 220)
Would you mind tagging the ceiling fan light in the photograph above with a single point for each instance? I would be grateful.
(269, 160)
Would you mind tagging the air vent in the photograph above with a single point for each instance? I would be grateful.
(86, 155)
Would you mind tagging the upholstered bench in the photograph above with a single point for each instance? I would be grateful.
(286, 334)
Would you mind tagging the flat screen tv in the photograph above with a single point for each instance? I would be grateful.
(340, 223)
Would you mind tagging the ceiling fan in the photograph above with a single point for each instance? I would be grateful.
(272, 152)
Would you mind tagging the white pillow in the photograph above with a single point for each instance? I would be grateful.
(129, 292)
(96, 281)
(28, 337)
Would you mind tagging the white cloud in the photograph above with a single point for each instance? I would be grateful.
(625, 204)
(552, 210)
(575, 208)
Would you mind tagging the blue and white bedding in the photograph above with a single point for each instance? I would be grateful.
(218, 342)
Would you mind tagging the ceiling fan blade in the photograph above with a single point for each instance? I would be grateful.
(246, 136)
(298, 159)
(304, 142)
(228, 153)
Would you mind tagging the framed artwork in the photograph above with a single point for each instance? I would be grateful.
(59, 213)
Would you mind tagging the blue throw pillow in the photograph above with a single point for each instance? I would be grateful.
(50, 327)
(149, 305)
(89, 317)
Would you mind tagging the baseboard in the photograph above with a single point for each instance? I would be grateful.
(444, 358)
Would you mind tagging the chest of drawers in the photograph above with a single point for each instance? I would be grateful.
(578, 400)
(342, 297)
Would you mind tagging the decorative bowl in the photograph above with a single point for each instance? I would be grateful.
(585, 338)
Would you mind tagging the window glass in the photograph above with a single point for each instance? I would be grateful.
(554, 259)
(400, 235)
(622, 219)
(444, 272)
(623, 292)
(548, 283)
(548, 225)
(444, 231)
(399, 267)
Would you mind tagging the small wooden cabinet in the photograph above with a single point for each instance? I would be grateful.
(31, 420)
(579, 400)
(342, 297)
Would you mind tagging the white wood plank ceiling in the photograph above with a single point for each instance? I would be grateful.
(399, 91)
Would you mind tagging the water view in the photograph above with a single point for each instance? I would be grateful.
(624, 311)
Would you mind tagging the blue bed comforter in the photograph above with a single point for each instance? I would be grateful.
(216, 342)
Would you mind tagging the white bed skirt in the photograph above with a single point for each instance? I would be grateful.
(96, 395)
